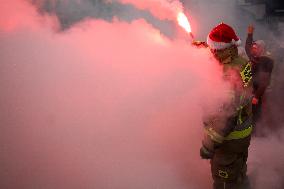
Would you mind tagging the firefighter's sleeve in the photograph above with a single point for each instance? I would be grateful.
(248, 46)
(216, 128)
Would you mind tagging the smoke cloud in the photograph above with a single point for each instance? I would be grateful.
(265, 163)
(163, 9)
(102, 94)
(70, 12)
(101, 104)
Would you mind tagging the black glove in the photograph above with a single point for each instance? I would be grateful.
(205, 153)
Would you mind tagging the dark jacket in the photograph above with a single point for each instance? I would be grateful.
(262, 67)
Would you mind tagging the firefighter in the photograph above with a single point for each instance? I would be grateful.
(228, 132)
(262, 66)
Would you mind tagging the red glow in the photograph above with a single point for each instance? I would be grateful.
(99, 108)
(160, 8)
(183, 22)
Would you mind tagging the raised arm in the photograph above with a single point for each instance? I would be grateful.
(249, 41)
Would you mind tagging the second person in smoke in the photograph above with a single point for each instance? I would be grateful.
(228, 132)
(262, 66)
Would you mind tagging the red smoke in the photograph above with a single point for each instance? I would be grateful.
(102, 105)
(9, 21)
(162, 9)
(14, 17)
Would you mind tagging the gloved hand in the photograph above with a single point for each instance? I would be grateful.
(202, 44)
(205, 153)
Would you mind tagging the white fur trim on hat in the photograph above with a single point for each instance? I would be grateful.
(221, 45)
(237, 43)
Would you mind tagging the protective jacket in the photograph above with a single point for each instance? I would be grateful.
(233, 121)
(228, 131)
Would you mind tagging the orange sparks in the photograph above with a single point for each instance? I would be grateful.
(183, 22)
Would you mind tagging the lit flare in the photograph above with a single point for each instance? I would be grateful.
(183, 22)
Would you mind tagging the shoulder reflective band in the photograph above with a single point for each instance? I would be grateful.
(239, 134)
(246, 74)
(214, 135)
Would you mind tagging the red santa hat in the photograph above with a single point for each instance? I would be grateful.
(222, 36)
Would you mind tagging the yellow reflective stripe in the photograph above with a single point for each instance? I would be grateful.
(239, 134)
(246, 74)
(214, 135)
(240, 116)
